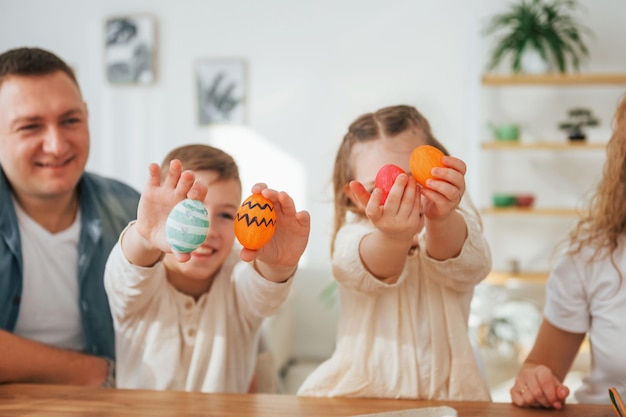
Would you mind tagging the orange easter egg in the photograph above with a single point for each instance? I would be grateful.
(423, 159)
(255, 222)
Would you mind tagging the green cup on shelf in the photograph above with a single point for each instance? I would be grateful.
(505, 131)
(504, 200)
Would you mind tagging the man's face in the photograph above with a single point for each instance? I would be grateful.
(44, 135)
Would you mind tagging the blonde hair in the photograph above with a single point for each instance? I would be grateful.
(605, 221)
(387, 122)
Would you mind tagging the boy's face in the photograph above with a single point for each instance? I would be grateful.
(222, 201)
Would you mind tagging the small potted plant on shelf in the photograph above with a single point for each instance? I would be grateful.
(578, 118)
(538, 35)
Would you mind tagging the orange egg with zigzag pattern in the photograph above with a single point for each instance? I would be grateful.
(255, 222)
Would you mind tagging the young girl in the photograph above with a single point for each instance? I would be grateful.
(406, 270)
(585, 294)
(191, 321)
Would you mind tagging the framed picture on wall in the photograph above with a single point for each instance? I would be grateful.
(129, 52)
(221, 90)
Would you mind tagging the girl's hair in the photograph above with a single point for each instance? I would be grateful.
(203, 157)
(604, 223)
(387, 122)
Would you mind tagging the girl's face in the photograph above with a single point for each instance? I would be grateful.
(368, 157)
(222, 201)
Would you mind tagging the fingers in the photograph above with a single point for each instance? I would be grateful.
(448, 176)
(258, 187)
(443, 192)
(287, 204)
(198, 191)
(518, 396)
(538, 387)
(361, 195)
(304, 218)
(181, 257)
(185, 183)
(455, 163)
(171, 179)
(154, 179)
(399, 192)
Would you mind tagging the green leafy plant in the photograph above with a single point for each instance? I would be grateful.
(545, 26)
(577, 119)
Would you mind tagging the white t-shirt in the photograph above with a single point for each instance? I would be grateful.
(49, 307)
(584, 297)
(166, 340)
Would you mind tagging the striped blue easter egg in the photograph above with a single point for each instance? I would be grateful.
(187, 226)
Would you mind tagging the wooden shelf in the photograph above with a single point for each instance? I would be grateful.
(501, 278)
(555, 79)
(520, 145)
(531, 211)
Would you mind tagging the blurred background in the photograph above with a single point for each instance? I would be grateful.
(309, 69)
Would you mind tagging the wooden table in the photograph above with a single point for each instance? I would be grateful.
(55, 400)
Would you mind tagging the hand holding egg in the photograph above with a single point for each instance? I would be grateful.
(255, 222)
(423, 159)
(385, 178)
(273, 234)
(187, 226)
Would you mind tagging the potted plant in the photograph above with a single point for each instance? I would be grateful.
(577, 119)
(543, 30)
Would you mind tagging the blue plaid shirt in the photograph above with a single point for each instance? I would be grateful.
(106, 208)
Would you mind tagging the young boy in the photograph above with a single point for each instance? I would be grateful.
(192, 321)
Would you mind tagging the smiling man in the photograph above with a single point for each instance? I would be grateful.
(58, 224)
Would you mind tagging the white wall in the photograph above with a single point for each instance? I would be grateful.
(313, 67)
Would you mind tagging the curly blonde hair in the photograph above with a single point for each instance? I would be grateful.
(605, 221)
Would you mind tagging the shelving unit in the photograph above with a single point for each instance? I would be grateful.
(545, 155)
(524, 146)
(530, 211)
(534, 146)
(501, 278)
(554, 79)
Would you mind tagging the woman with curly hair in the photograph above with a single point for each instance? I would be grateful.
(585, 295)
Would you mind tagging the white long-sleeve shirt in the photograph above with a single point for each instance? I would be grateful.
(408, 339)
(165, 339)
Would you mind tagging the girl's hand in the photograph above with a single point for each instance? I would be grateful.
(400, 216)
(445, 191)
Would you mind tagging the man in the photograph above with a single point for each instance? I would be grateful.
(58, 224)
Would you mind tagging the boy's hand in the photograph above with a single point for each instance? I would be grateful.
(279, 258)
(157, 200)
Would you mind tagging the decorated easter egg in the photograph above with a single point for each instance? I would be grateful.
(385, 178)
(187, 225)
(255, 222)
(423, 159)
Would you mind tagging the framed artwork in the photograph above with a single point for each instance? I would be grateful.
(221, 89)
(130, 44)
